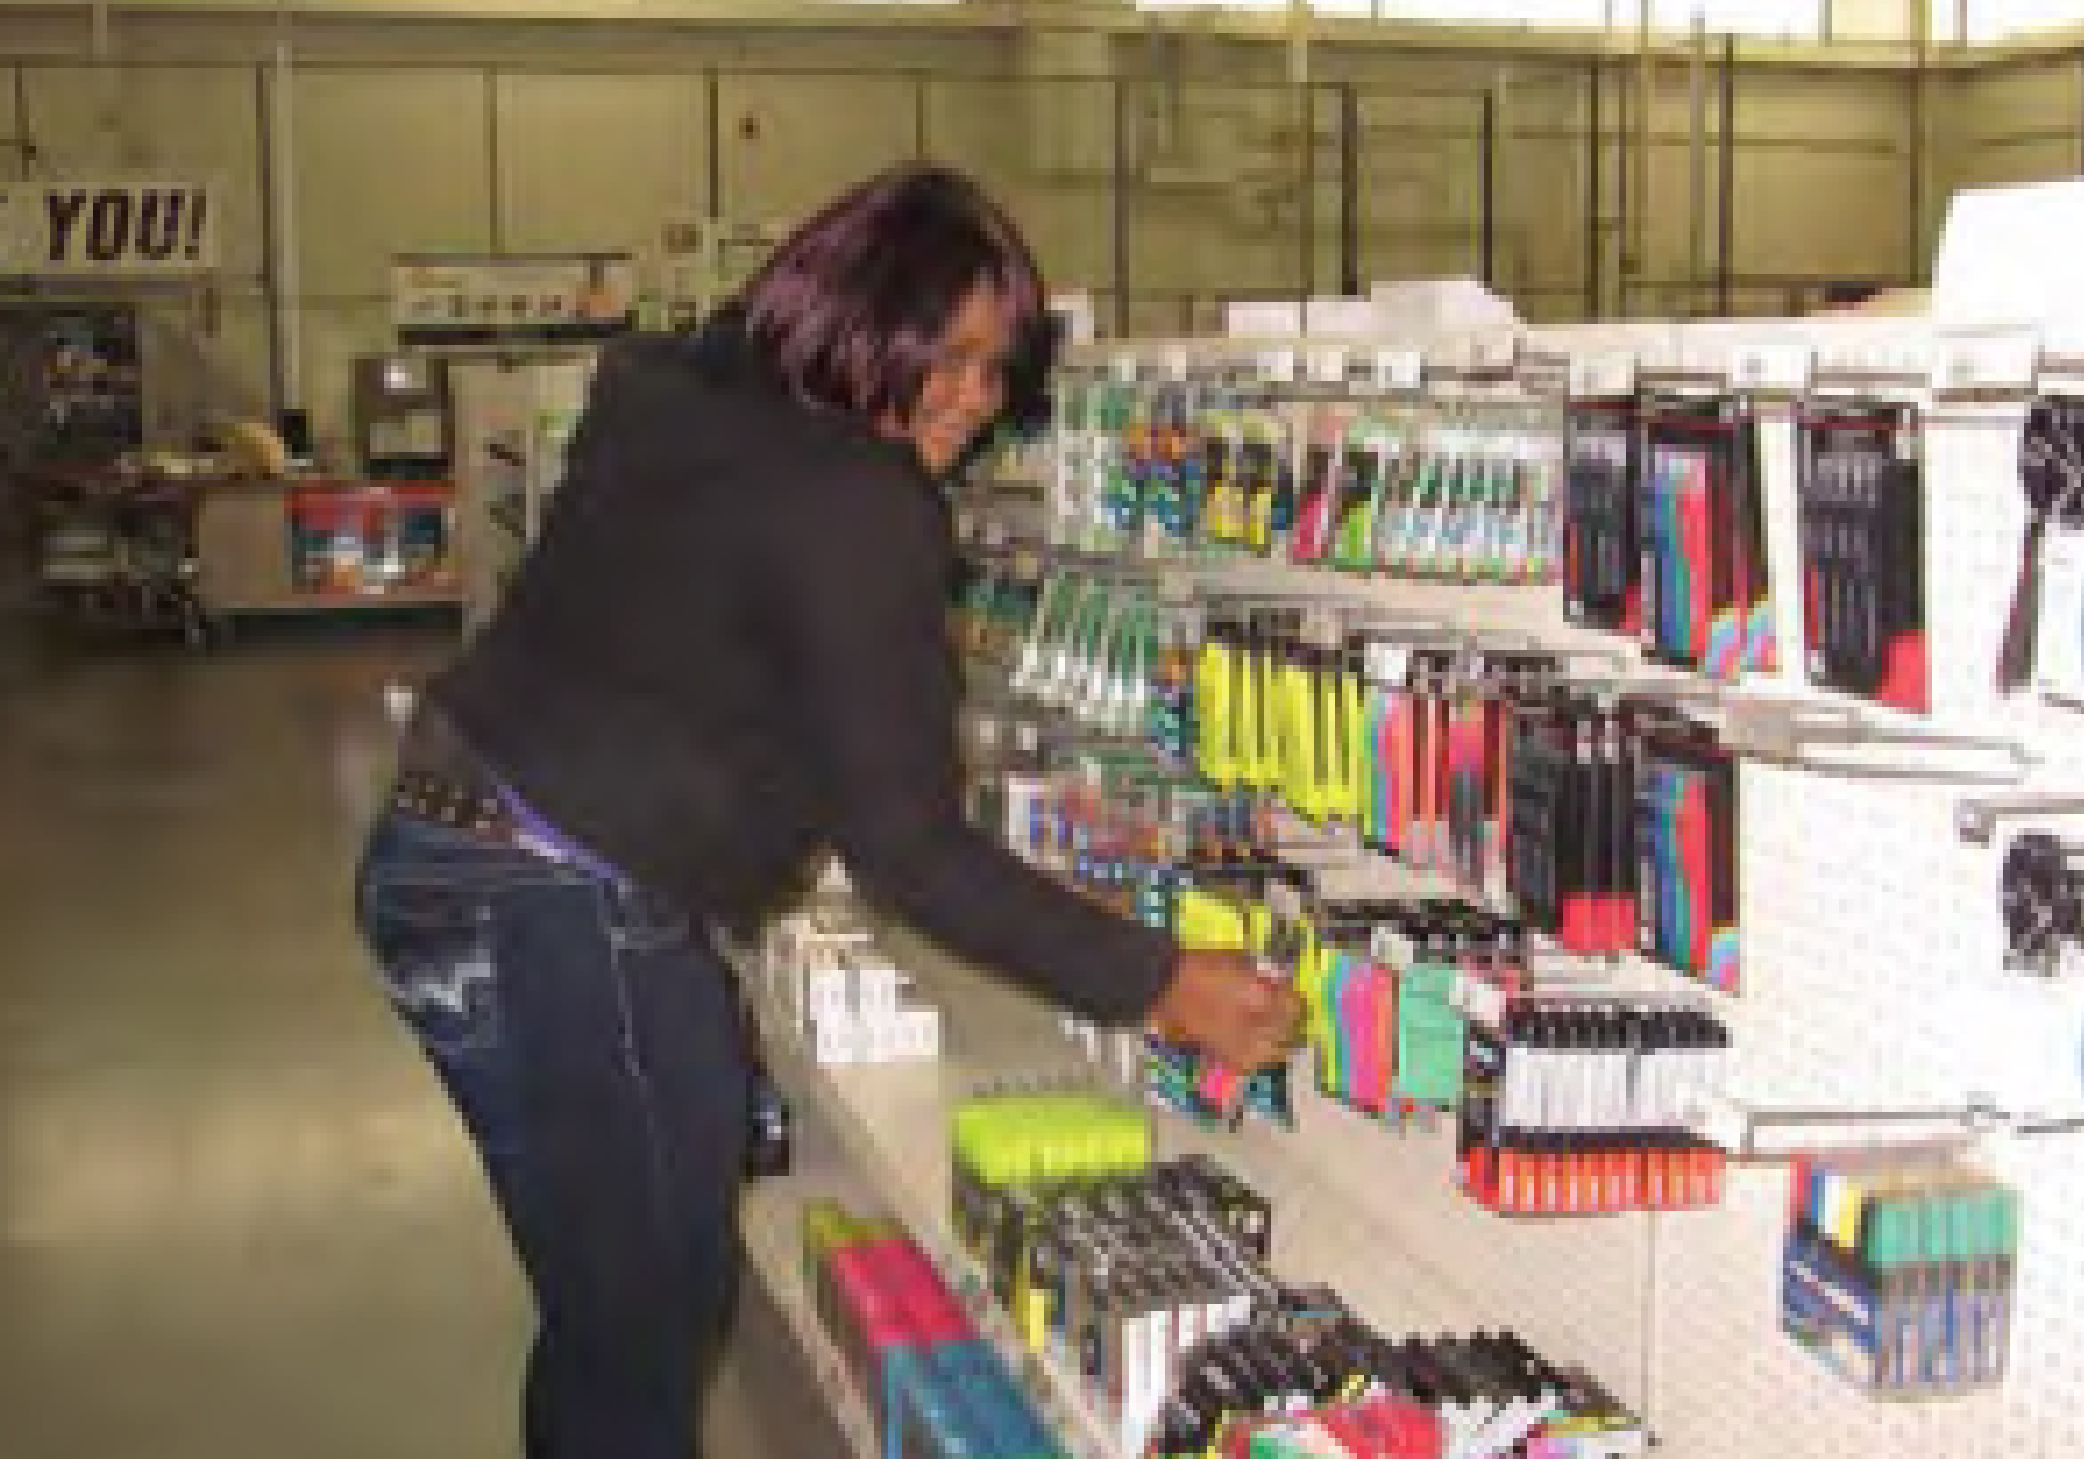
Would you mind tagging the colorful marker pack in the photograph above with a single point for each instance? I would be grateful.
(1701, 525)
(1578, 1107)
(1861, 486)
(1901, 1275)
(1685, 825)
(1331, 1387)
(935, 1390)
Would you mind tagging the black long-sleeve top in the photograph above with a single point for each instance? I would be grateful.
(728, 651)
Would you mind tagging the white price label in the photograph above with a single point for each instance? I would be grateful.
(1176, 365)
(1277, 367)
(1481, 1000)
(1495, 352)
(993, 532)
(1600, 377)
(1321, 628)
(1125, 368)
(1773, 367)
(1388, 663)
(2003, 362)
(1399, 369)
(1285, 900)
(1328, 367)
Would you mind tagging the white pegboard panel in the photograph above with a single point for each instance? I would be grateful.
(1872, 977)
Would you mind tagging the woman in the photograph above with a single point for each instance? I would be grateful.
(726, 653)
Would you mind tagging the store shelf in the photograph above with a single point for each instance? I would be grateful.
(769, 1217)
(893, 1121)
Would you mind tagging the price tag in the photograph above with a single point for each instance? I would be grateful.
(1177, 367)
(1601, 377)
(1285, 900)
(1125, 367)
(1481, 1000)
(994, 532)
(1328, 366)
(1277, 367)
(1495, 352)
(1388, 664)
(1321, 628)
(1999, 362)
(1399, 369)
(1773, 367)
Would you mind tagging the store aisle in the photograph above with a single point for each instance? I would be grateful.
(236, 1218)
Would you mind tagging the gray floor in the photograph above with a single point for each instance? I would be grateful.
(236, 1218)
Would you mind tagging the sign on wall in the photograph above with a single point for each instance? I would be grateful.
(523, 299)
(107, 227)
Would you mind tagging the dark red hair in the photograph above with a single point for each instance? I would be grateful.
(851, 307)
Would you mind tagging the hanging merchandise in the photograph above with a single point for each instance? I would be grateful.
(1862, 512)
(1702, 524)
(1321, 489)
(1175, 470)
(1685, 832)
(1602, 555)
(2045, 634)
(2041, 898)
(1384, 1035)
(1369, 457)
(1574, 1106)
(1901, 1275)
(1570, 836)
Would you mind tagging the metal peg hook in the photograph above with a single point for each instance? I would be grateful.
(1790, 733)
(1976, 817)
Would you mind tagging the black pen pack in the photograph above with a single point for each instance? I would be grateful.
(1602, 557)
(1568, 854)
(1862, 527)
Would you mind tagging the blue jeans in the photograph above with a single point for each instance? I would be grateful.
(591, 1040)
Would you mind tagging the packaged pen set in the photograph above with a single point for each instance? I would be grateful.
(934, 1387)
(1622, 834)
(1862, 530)
(1321, 1384)
(1578, 1106)
(1901, 1273)
(1383, 1025)
(1437, 758)
(1664, 538)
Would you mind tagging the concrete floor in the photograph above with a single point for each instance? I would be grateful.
(236, 1216)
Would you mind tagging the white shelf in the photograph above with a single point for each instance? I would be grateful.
(893, 1121)
(770, 1218)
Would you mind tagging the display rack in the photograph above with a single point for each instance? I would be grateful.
(1874, 983)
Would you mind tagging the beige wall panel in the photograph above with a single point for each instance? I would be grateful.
(598, 162)
(1820, 213)
(335, 332)
(388, 162)
(791, 143)
(2040, 96)
(1835, 106)
(208, 364)
(982, 127)
(2031, 160)
(181, 121)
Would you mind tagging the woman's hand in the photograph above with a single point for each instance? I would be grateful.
(1221, 1004)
